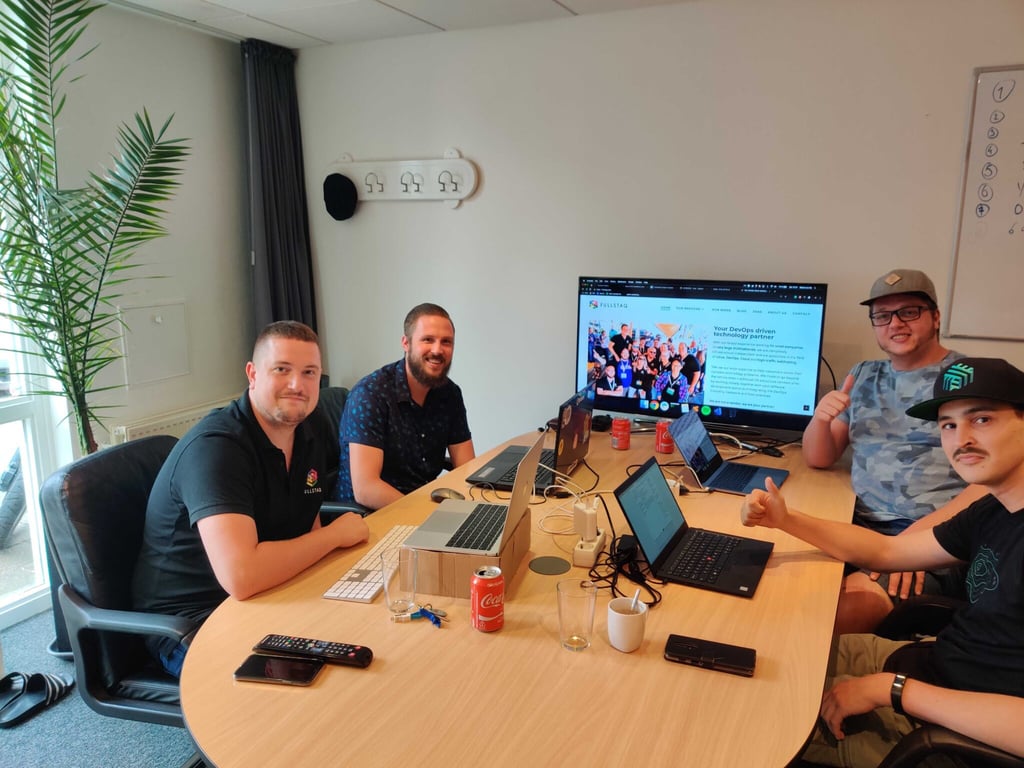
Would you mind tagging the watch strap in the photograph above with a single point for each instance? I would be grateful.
(896, 693)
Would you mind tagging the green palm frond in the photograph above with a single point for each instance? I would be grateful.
(65, 254)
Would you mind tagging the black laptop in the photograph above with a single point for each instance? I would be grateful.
(572, 442)
(699, 452)
(675, 551)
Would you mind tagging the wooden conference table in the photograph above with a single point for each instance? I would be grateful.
(456, 696)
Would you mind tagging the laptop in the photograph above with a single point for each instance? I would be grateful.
(699, 452)
(476, 527)
(572, 442)
(678, 553)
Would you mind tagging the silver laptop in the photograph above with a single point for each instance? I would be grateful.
(477, 527)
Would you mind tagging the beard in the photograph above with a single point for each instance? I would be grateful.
(419, 372)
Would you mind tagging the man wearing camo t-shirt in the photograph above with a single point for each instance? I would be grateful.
(899, 472)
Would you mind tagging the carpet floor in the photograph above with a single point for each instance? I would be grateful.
(68, 734)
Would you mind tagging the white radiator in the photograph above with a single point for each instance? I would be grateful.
(175, 423)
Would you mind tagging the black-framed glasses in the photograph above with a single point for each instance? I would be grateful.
(906, 314)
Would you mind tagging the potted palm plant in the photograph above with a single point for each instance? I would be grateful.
(66, 253)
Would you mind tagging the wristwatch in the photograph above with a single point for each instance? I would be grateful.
(896, 693)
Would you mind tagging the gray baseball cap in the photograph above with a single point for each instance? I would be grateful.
(902, 281)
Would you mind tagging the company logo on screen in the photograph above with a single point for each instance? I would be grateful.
(595, 304)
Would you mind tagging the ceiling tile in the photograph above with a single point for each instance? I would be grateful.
(349, 22)
(306, 23)
(473, 14)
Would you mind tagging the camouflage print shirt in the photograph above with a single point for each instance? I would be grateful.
(899, 471)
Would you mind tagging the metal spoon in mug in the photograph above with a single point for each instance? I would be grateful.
(636, 600)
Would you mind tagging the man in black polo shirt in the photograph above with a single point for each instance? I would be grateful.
(400, 420)
(234, 510)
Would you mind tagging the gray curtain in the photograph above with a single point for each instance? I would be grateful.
(282, 265)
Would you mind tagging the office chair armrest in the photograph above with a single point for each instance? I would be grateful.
(930, 739)
(332, 510)
(918, 616)
(81, 615)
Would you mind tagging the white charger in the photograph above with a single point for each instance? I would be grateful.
(584, 554)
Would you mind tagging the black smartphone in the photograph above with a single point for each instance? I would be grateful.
(279, 669)
(734, 659)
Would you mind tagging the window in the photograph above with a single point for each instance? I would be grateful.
(30, 442)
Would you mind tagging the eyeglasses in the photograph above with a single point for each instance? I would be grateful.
(906, 314)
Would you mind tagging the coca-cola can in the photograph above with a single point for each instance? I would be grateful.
(663, 442)
(620, 434)
(487, 598)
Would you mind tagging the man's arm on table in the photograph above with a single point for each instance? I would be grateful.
(850, 543)
(365, 465)
(461, 453)
(245, 566)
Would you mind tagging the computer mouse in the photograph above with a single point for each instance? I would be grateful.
(440, 494)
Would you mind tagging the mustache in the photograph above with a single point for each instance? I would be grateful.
(968, 452)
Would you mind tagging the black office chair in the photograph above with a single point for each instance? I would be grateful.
(918, 616)
(332, 405)
(94, 510)
(930, 740)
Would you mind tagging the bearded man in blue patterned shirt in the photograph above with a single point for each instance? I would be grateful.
(401, 420)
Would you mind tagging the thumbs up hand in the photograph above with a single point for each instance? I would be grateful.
(766, 508)
(835, 402)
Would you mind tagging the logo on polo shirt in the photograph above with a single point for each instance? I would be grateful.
(311, 478)
(957, 377)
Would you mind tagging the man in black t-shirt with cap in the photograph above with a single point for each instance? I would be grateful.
(971, 677)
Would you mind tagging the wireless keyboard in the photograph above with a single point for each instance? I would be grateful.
(363, 582)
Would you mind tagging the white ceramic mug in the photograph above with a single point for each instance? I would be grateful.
(625, 625)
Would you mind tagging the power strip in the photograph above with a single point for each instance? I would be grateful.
(584, 554)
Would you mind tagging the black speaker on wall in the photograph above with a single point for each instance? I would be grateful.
(340, 196)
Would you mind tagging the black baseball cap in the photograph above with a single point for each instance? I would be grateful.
(984, 378)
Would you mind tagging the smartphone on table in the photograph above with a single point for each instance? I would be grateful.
(279, 669)
(734, 659)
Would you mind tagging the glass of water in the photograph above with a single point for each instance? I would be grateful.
(577, 599)
(398, 570)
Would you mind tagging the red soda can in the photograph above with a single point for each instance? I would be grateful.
(620, 434)
(487, 598)
(663, 442)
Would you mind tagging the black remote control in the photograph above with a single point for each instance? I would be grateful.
(332, 653)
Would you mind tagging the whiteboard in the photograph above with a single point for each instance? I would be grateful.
(986, 298)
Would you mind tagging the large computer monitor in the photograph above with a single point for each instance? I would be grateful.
(745, 355)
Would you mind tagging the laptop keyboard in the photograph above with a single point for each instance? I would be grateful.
(545, 476)
(735, 476)
(481, 528)
(703, 557)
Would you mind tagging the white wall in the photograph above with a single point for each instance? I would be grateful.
(142, 62)
(817, 140)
